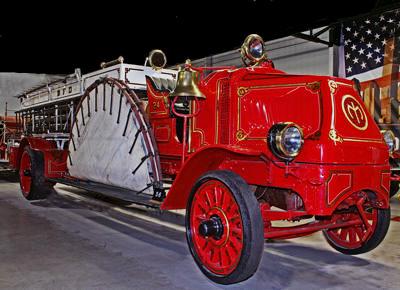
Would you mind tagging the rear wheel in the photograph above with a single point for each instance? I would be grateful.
(362, 238)
(224, 227)
(31, 176)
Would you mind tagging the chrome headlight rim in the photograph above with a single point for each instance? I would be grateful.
(389, 133)
(275, 140)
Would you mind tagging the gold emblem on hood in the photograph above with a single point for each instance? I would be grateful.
(354, 112)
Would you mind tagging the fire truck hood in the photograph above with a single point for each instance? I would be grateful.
(337, 127)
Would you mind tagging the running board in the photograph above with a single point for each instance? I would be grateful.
(111, 191)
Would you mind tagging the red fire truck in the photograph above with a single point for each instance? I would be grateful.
(239, 148)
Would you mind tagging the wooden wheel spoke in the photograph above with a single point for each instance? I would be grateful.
(202, 205)
(216, 193)
(224, 257)
(359, 232)
(343, 234)
(208, 197)
(236, 244)
(352, 235)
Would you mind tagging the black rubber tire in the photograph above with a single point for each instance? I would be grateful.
(375, 239)
(40, 188)
(253, 229)
(394, 188)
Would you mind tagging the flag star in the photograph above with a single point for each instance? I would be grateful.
(384, 42)
(377, 59)
(348, 28)
(384, 28)
(390, 20)
(362, 39)
(368, 21)
(369, 31)
(353, 47)
(363, 65)
(377, 36)
(347, 55)
(369, 45)
(355, 33)
(369, 55)
(381, 18)
(361, 51)
(377, 50)
(355, 60)
(349, 69)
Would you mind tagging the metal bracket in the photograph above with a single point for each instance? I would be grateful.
(313, 37)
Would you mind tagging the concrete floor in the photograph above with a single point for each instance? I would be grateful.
(69, 242)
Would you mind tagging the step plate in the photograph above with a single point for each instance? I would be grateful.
(111, 191)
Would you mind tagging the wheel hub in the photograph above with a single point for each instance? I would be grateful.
(27, 172)
(212, 228)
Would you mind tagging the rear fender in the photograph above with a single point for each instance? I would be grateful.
(250, 165)
(55, 160)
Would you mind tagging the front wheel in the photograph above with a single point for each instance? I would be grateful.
(224, 227)
(362, 238)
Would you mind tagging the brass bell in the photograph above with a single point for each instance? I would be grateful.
(186, 85)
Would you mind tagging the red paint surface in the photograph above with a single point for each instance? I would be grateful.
(250, 101)
(396, 218)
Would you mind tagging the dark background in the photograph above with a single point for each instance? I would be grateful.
(56, 37)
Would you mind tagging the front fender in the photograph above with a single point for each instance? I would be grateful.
(246, 163)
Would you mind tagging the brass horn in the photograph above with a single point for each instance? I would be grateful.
(186, 85)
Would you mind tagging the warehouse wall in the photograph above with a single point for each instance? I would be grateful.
(290, 54)
(12, 84)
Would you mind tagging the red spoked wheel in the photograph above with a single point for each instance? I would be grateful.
(25, 175)
(368, 234)
(224, 227)
(31, 175)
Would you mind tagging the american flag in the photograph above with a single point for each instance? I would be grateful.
(369, 43)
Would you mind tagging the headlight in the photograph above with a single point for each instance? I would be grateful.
(390, 139)
(285, 140)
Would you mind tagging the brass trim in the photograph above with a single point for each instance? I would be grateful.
(119, 60)
(240, 135)
(341, 193)
(362, 140)
(278, 139)
(332, 86)
(245, 51)
(241, 91)
(333, 135)
(151, 61)
(197, 130)
(314, 86)
(355, 109)
(383, 173)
